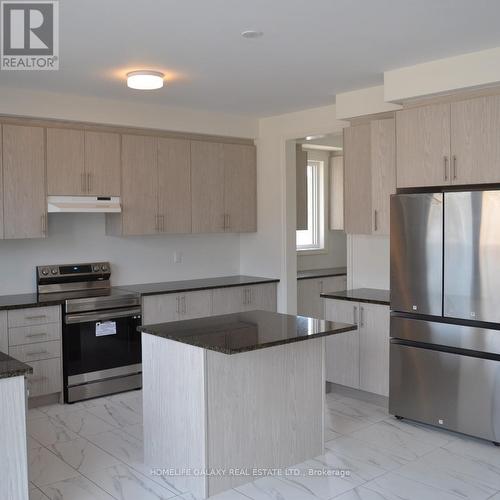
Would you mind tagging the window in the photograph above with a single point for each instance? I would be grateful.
(312, 238)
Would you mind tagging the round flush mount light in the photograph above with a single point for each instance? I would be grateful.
(145, 80)
(251, 34)
(314, 137)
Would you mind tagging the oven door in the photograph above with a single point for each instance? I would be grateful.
(101, 345)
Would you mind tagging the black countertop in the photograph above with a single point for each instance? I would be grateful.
(247, 331)
(369, 295)
(198, 284)
(321, 273)
(10, 367)
(23, 300)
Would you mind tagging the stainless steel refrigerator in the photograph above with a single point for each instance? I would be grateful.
(445, 303)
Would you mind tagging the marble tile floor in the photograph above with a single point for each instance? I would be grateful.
(93, 451)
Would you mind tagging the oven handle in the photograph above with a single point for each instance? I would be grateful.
(100, 316)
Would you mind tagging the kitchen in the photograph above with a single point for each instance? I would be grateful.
(176, 212)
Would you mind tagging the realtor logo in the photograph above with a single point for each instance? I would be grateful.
(30, 35)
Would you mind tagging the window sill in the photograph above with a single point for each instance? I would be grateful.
(312, 251)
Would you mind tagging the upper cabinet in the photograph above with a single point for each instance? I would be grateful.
(82, 162)
(223, 187)
(452, 143)
(369, 176)
(24, 200)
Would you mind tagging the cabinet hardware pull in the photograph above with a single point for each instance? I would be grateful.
(156, 222)
(32, 379)
(375, 222)
(184, 308)
(37, 353)
(35, 335)
(228, 226)
(361, 316)
(454, 167)
(82, 182)
(445, 168)
(355, 315)
(89, 182)
(40, 316)
(177, 307)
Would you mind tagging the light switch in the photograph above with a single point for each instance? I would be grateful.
(177, 257)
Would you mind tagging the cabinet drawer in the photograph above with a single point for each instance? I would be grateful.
(46, 377)
(33, 334)
(34, 316)
(36, 352)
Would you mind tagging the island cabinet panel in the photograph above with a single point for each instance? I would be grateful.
(475, 141)
(207, 187)
(374, 348)
(24, 198)
(140, 184)
(174, 185)
(357, 179)
(423, 146)
(240, 188)
(4, 333)
(342, 351)
(102, 163)
(65, 162)
(13, 459)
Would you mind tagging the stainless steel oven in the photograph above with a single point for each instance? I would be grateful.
(101, 344)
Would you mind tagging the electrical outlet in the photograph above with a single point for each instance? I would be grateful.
(177, 257)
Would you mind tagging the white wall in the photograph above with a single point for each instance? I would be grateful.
(368, 261)
(81, 238)
(335, 253)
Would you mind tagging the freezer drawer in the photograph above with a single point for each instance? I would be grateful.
(472, 255)
(453, 391)
(417, 253)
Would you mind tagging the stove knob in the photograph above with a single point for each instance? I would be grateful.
(95, 268)
(54, 270)
(45, 271)
(104, 268)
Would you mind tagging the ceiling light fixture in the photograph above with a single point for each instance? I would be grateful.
(251, 34)
(145, 80)
(314, 137)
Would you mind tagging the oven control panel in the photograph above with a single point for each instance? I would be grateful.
(73, 270)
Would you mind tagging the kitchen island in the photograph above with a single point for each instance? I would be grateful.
(226, 395)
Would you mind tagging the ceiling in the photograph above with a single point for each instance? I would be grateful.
(311, 49)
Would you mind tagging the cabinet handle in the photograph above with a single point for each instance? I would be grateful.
(375, 221)
(445, 168)
(177, 306)
(228, 225)
(35, 335)
(454, 168)
(355, 315)
(83, 183)
(89, 182)
(184, 307)
(156, 222)
(40, 316)
(361, 316)
(37, 353)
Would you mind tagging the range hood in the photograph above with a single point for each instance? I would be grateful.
(92, 204)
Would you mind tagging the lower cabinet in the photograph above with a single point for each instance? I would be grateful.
(174, 307)
(309, 302)
(34, 337)
(4, 334)
(359, 359)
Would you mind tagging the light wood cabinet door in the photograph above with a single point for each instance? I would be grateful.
(423, 146)
(383, 161)
(4, 333)
(337, 193)
(65, 162)
(374, 348)
(46, 377)
(207, 187)
(228, 300)
(475, 141)
(195, 304)
(301, 186)
(160, 308)
(174, 185)
(261, 297)
(140, 185)
(25, 201)
(357, 180)
(102, 163)
(240, 188)
(342, 350)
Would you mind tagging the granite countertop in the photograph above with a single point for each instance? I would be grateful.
(246, 331)
(197, 284)
(370, 295)
(10, 367)
(23, 300)
(321, 273)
